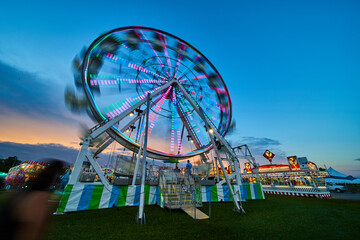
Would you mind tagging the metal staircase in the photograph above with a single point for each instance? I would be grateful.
(179, 190)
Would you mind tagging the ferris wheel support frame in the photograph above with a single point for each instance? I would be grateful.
(246, 154)
(102, 127)
(141, 214)
(234, 159)
(99, 129)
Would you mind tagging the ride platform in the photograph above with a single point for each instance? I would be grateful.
(194, 212)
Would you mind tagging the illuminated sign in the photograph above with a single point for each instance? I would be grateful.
(295, 174)
(273, 168)
(294, 164)
(248, 168)
(269, 155)
(312, 166)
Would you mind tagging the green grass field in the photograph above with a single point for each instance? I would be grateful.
(277, 217)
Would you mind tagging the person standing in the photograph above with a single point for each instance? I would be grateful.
(188, 168)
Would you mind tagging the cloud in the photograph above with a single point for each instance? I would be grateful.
(29, 94)
(35, 152)
(261, 141)
(357, 159)
(258, 146)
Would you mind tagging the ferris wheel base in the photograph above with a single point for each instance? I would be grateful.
(85, 196)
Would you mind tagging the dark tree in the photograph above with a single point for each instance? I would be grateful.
(6, 164)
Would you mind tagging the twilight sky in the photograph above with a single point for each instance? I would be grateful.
(292, 69)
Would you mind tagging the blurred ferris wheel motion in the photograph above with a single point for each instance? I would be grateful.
(122, 66)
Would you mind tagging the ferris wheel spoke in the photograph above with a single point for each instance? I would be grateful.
(192, 65)
(146, 71)
(116, 81)
(133, 121)
(119, 60)
(145, 39)
(164, 44)
(185, 121)
(175, 127)
(179, 58)
(204, 76)
(121, 106)
(192, 88)
(158, 107)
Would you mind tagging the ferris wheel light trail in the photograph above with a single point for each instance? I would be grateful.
(153, 116)
(173, 125)
(125, 104)
(192, 65)
(218, 90)
(201, 76)
(165, 50)
(140, 115)
(159, 60)
(179, 57)
(95, 82)
(124, 65)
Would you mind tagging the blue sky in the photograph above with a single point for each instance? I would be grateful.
(292, 68)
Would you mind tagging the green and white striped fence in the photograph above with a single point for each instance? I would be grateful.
(81, 197)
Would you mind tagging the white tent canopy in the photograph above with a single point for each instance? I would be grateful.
(333, 173)
(342, 181)
(338, 177)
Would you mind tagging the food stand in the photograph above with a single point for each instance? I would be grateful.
(298, 178)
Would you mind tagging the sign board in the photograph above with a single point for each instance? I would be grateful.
(294, 164)
(268, 155)
(312, 166)
(295, 174)
(248, 168)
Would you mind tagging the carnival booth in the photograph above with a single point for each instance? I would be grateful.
(298, 178)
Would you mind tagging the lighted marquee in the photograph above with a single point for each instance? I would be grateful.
(312, 166)
(273, 168)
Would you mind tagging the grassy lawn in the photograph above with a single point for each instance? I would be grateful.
(277, 217)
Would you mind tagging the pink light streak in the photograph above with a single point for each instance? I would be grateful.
(165, 50)
(162, 65)
(126, 105)
(118, 80)
(222, 108)
(201, 76)
(193, 64)
(158, 108)
(138, 68)
(182, 47)
(219, 90)
(179, 141)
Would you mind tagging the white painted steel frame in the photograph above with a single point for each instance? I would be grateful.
(226, 145)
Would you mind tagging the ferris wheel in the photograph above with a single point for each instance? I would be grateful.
(156, 95)
(121, 67)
